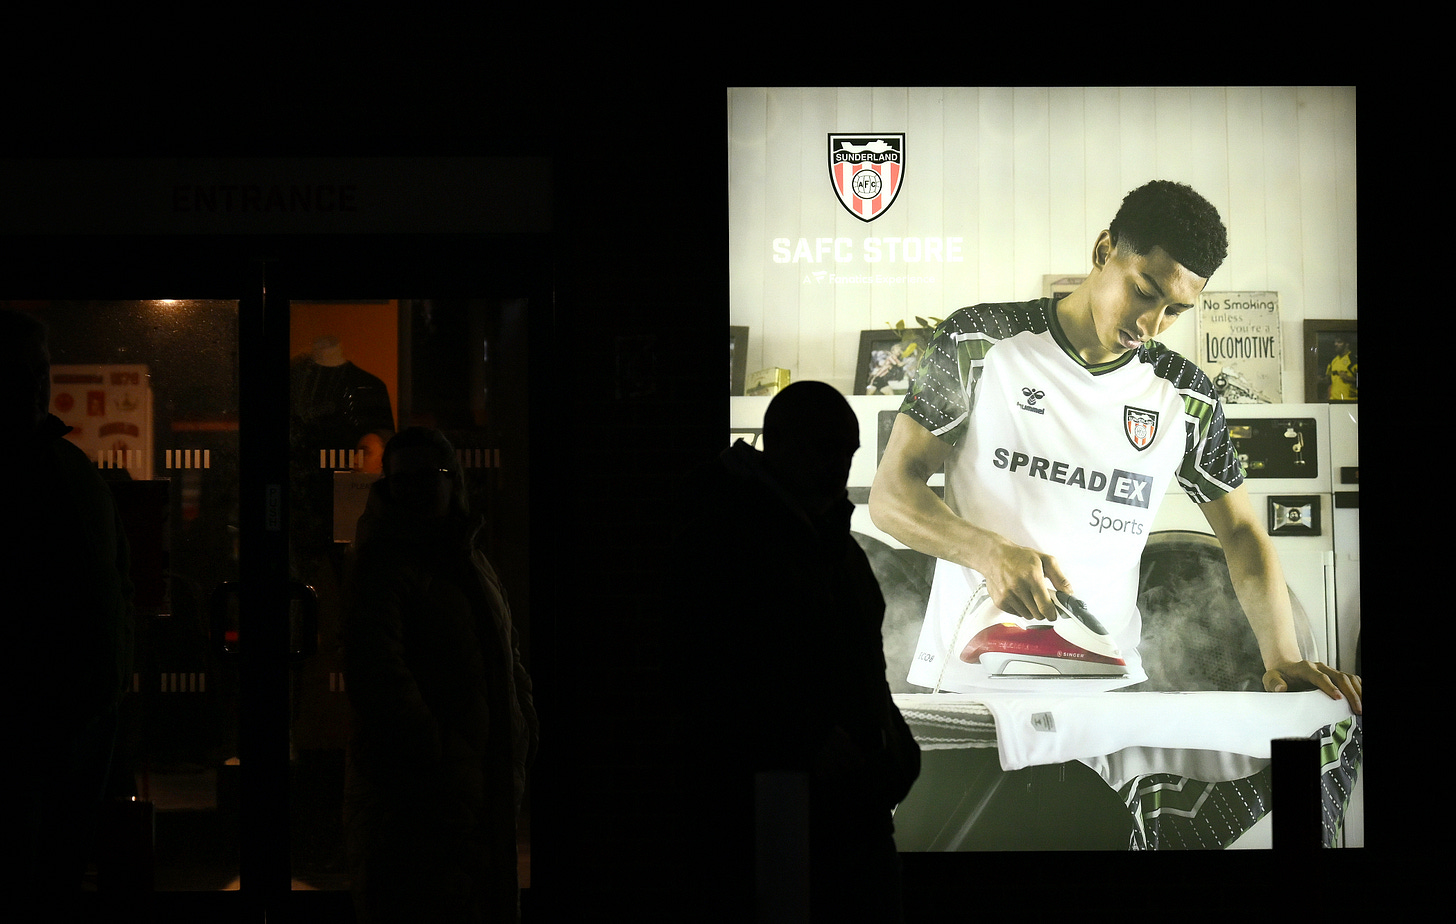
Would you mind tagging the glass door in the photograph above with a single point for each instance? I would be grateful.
(239, 465)
(360, 371)
(150, 391)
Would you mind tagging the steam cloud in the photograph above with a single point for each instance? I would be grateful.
(904, 577)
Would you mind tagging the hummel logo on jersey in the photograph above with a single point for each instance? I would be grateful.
(1121, 487)
(1032, 396)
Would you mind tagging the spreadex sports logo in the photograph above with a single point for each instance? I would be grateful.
(867, 172)
(1119, 487)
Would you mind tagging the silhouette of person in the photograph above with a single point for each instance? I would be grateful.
(790, 721)
(442, 722)
(67, 589)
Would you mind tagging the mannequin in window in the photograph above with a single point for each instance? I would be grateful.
(335, 401)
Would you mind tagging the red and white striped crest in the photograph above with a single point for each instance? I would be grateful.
(1140, 426)
(867, 172)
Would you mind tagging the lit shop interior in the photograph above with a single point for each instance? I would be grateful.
(151, 391)
(927, 200)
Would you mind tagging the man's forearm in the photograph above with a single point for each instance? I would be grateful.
(903, 504)
(1258, 581)
(913, 514)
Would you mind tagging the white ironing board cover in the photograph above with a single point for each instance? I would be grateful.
(1235, 728)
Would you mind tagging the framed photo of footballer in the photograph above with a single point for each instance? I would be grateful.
(1331, 362)
(886, 366)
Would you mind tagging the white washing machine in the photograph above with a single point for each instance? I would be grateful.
(1345, 471)
(1304, 479)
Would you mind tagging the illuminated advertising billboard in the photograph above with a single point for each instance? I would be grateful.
(861, 218)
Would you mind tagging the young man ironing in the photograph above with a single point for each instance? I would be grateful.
(1059, 426)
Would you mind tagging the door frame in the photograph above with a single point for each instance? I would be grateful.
(263, 275)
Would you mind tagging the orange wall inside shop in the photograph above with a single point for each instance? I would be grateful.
(367, 331)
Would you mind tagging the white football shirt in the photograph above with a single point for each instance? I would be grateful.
(1062, 457)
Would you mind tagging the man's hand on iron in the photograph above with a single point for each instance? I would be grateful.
(1305, 675)
(1023, 582)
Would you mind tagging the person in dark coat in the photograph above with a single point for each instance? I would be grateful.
(66, 600)
(442, 723)
(788, 721)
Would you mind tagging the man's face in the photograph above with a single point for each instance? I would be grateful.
(369, 455)
(1135, 297)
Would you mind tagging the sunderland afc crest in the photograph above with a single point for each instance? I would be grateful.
(867, 172)
(1139, 425)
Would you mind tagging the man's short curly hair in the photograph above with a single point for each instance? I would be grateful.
(1172, 216)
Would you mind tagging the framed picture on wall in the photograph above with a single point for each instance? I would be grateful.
(1331, 362)
(886, 365)
(765, 383)
(1057, 288)
(737, 359)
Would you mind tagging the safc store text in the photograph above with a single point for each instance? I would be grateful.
(872, 249)
(822, 277)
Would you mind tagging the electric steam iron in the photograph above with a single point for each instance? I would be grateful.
(1074, 645)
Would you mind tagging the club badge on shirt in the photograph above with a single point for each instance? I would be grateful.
(1139, 425)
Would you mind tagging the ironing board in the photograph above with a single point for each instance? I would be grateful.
(1196, 786)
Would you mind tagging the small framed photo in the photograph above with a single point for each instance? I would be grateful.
(1331, 362)
(766, 383)
(737, 359)
(1057, 288)
(887, 365)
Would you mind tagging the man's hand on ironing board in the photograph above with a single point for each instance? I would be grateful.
(1305, 675)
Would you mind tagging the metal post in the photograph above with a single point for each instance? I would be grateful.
(1295, 783)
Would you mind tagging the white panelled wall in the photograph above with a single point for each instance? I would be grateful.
(1019, 182)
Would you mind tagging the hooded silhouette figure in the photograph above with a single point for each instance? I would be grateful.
(780, 617)
(65, 592)
(443, 727)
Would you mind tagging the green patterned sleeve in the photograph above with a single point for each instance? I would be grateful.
(939, 398)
